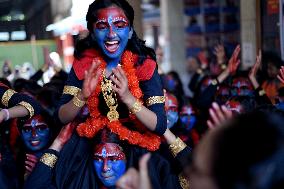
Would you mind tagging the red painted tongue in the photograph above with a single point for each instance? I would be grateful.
(111, 48)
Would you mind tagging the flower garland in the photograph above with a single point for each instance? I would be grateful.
(96, 121)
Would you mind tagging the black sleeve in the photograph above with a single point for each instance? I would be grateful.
(161, 174)
(205, 99)
(41, 176)
(261, 98)
(18, 98)
(150, 88)
(65, 98)
(37, 76)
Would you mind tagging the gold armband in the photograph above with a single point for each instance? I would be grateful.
(49, 159)
(7, 96)
(184, 183)
(29, 107)
(177, 147)
(77, 102)
(136, 107)
(71, 90)
(155, 100)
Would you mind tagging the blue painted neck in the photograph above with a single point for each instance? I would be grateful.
(112, 63)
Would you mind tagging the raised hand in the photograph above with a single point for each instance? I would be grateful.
(219, 52)
(121, 84)
(91, 79)
(30, 163)
(234, 61)
(133, 179)
(63, 136)
(254, 69)
(218, 115)
(280, 76)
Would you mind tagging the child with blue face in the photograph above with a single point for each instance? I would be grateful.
(171, 106)
(110, 163)
(35, 133)
(111, 33)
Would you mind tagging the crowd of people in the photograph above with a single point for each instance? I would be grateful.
(116, 121)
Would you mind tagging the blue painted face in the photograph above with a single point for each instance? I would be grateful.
(110, 163)
(188, 121)
(172, 118)
(111, 32)
(35, 134)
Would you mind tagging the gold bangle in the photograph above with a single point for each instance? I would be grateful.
(136, 107)
(77, 102)
(155, 100)
(7, 96)
(71, 90)
(49, 159)
(177, 147)
(29, 107)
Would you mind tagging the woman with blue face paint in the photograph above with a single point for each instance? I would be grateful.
(37, 134)
(116, 75)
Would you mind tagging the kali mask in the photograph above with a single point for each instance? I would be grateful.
(187, 117)
(109, 162)
(35, 133)
(241, 87)
(111, 31)
(171, 106)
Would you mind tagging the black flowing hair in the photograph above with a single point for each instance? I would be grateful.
(135, 44)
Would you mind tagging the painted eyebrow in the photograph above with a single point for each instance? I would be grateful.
(101, 20)
(116, 19)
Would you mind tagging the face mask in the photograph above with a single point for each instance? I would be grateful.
(172, 118)
(110, 163)
(188, 121)
(35, 134)
(242, 88)
(170, 84)
(111, 31)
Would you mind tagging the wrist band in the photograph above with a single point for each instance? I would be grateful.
(136, 107)
(177, 147)
(215, 82)
(49, 159)
(77, 102)
(7, 114)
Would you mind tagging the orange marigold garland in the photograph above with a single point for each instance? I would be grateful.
(96, 121)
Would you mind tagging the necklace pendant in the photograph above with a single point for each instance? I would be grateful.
(112, 115)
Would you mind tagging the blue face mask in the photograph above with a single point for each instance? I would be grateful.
(109, 169)
(188, 121)
(111, 32)
(35, 135)
(170, 84)
(172, 118)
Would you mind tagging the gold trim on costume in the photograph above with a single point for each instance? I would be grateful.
(7, 96)
(49, 159)
(29, 107)
(177, 147)
(184, 183)
(77, 102)
(71, 90)
(155, 100)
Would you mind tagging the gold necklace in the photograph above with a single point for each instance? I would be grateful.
(110, 98)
